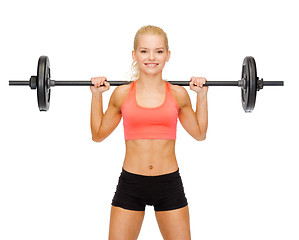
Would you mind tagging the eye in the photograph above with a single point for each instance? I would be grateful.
(143, 51)
(160, 51)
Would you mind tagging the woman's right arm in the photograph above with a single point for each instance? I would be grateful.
(102, 125)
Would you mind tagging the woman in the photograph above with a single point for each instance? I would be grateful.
(150, 107)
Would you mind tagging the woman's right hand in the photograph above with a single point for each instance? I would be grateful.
(97, 82)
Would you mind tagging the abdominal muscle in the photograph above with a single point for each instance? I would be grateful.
(150, 157)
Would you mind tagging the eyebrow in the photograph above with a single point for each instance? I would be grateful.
(156, 48)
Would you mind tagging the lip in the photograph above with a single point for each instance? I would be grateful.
(151, 65)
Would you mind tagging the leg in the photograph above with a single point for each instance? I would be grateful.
(174, 224)
(125, 224)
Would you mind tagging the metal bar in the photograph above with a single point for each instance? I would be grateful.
(208, 83)
(273, 83)
(117, 83)
(18, 83)
(85, 83)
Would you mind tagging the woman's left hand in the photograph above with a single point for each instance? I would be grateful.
(199, 82)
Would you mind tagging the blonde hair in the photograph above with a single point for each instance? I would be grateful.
(149, 29)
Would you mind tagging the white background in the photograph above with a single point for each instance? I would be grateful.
(241, 183)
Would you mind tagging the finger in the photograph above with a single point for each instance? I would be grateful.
(203, 80)
(107, 84)
(196, 81)
(99, 81)
(92, 80)
(192, 81)
(200, 82)
(95, 82)
(102, 81)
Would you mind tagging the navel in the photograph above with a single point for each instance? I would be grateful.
(151, 167)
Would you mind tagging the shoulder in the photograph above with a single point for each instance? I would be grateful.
(119, 94)
(180, 94)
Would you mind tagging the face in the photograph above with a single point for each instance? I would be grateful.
(151, 54)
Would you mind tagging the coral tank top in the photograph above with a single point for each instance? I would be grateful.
(149, 123)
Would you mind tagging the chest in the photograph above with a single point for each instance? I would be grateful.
(151, 99)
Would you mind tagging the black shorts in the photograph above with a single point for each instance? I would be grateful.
(164, 192)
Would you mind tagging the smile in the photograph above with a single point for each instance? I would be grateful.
(151, 65)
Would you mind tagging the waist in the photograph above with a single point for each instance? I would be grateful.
(139, 177)
(150, 166)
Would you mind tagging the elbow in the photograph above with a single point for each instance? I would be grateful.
(201, 138)
(96, 138)
(201, 134)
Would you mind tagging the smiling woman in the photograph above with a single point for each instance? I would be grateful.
(150, 107)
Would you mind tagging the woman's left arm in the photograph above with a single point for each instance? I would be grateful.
(195, 123)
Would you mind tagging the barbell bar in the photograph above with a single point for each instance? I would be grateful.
(249, 83)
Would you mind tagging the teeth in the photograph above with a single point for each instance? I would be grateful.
(151, 64)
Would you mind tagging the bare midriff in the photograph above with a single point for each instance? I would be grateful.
(150, 157)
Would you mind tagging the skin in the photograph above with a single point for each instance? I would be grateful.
(149, 157)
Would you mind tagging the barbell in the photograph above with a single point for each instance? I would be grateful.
(249, 83)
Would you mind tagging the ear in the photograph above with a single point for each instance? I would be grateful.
(133, 55)
(168, 56)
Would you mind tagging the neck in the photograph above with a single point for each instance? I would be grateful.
(150, 81)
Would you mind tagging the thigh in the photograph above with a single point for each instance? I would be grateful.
(174, 224)
(125, 224)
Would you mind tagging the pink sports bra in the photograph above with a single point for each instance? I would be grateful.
(149, 123)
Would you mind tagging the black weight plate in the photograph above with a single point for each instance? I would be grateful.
(248, 93)
(43, 83)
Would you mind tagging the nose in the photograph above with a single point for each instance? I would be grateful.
(151, 55)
